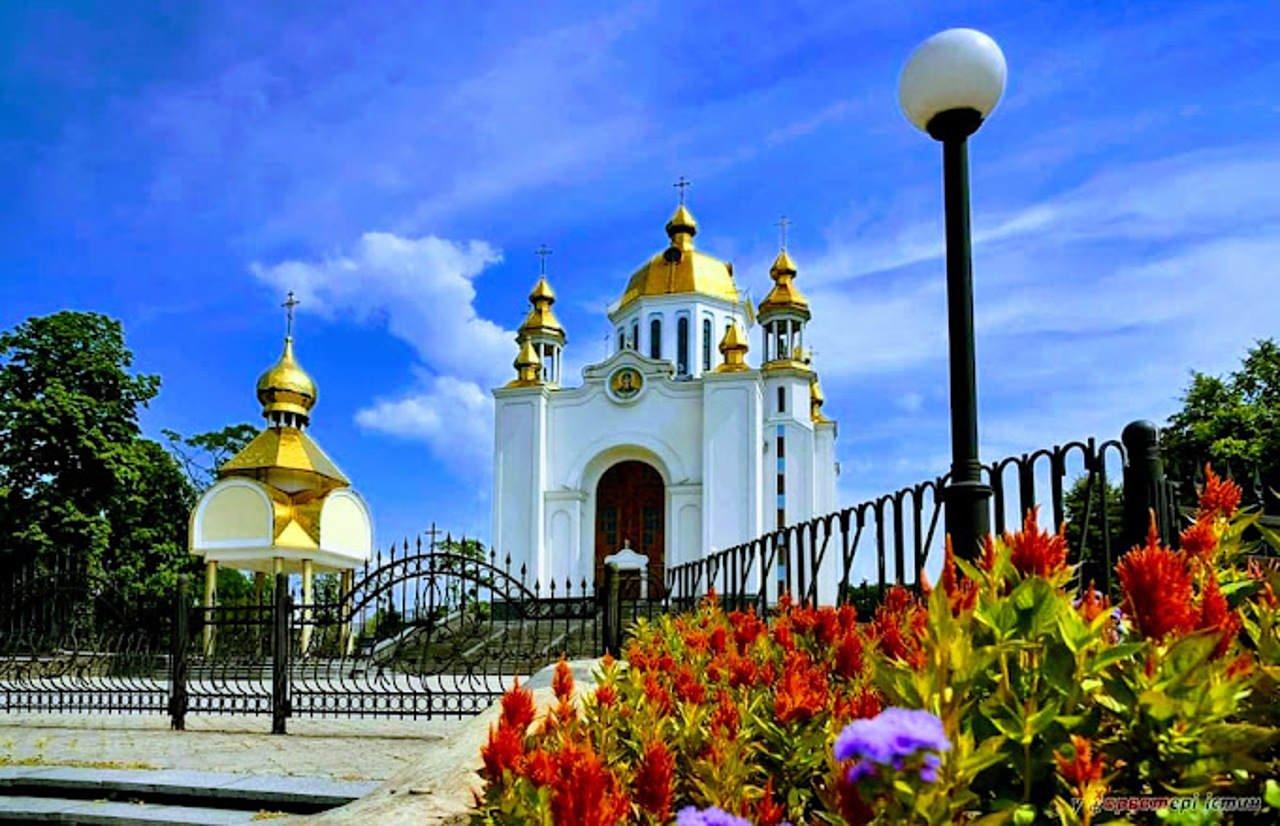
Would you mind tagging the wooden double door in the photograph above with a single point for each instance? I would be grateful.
(631, 508)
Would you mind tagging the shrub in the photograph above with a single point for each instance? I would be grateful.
(1006, 691)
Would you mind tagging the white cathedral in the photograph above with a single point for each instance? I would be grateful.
(675, 445)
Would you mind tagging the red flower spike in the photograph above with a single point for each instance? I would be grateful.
(849, 655)
(1216, 614)
(607, 661)
(653, 785)
(1200, 540)
(962, 594)
(517, 708)
(1157, 589)
(802, 692)
(1091, 605)
(539, 767)
(1220, 497)
(502, 752)
(562, 682)
(1035, 552)
(766, 811)
(585, 792)
(987, 561)
(657, 695)
(1083, 767)
(688, 688)
(719, 641)
(725, 720)
(606, 696)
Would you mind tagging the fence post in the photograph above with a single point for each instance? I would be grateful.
(179, 645)
(612, 610)
(1144, 483)
(282, 608)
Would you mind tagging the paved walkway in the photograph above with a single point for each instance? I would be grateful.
(342, 749)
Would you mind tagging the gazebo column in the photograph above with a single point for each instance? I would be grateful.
(210, 594)
(345, 619)
(308, 578)
(259, 585)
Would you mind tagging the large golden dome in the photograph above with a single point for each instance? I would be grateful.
(286, 387)
(681, 269)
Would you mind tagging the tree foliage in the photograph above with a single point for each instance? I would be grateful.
(1232, 422)
(202, 454)
(76, 476)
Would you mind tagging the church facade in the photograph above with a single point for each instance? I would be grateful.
(675, 445)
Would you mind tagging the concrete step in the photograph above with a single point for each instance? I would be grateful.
(68, 794)
(21, 809)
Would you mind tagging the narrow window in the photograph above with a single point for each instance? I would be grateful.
(682, 346)
(622, 341)
(782, 447)
(655, 339)
(635, 335)
(706, 344)
(782, 400)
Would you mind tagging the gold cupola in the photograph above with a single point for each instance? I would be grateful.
(680, 268)
(734, 349)
(784, 296)
(528, 366)
(542, 319)
(286, 391)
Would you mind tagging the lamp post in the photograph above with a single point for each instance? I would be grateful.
(951, 83)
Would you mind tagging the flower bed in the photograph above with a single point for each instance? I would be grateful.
(1006, 691)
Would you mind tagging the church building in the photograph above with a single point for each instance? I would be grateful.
(675, 445)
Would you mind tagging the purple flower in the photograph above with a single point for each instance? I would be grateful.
(689, 816)
(895, 734)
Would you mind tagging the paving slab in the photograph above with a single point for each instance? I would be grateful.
(127, 814)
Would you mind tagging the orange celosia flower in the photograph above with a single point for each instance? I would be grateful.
(1241, 666)
(1035, 552)
(1216, 614)
(607, 661)
(539, 767)
(849, 655)
(899, 627)
(562, 682)
(766, 811)
(1092, 604)
(719, 640)
(828, 627)
(502, 752)
(688, 687)
(987, 561)
(961, 594)
(782, 634)
(653, 780)
(1157, 589)
(725, 720)
(747, 628)
(742, 672)
(803, 691)
(657, 695)
(585, 792)
(1220, 497)
(606, 695)
(1200, 540)
(1083, 767)
(517, 707)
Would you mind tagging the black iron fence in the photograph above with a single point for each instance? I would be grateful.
(837, 557)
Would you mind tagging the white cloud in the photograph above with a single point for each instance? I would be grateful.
(422, 290)
(454, 416)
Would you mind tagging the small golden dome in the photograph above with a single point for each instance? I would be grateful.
(286, 388)
(681, 269)
(734, 349)
(541, 318)
(784, 296)
(528, 366)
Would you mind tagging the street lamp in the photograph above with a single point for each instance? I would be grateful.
(951, 82)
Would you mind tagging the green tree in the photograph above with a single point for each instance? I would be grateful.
(1074, 503)
(1233, 423)
(201, 455)
(68, 435)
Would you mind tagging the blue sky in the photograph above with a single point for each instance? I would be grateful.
(180, 165)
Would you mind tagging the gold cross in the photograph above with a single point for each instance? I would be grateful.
(289, 305)
(783, 223)
(681, 185)
(542, 252)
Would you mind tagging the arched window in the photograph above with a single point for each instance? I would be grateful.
(655, 338)
(622, 341)
(682, 346)
(706, 344)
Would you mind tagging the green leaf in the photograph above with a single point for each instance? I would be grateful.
(1116, 653)
(1271, 793)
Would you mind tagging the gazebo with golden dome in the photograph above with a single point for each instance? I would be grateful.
(281, 505)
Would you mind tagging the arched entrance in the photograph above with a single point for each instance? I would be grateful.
(630, 507)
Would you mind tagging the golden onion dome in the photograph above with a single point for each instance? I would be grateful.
(816, 400)
(784, 296)
(542, 319)
(285, 387)
(681, 269)
(528, 366)
(734, 349)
